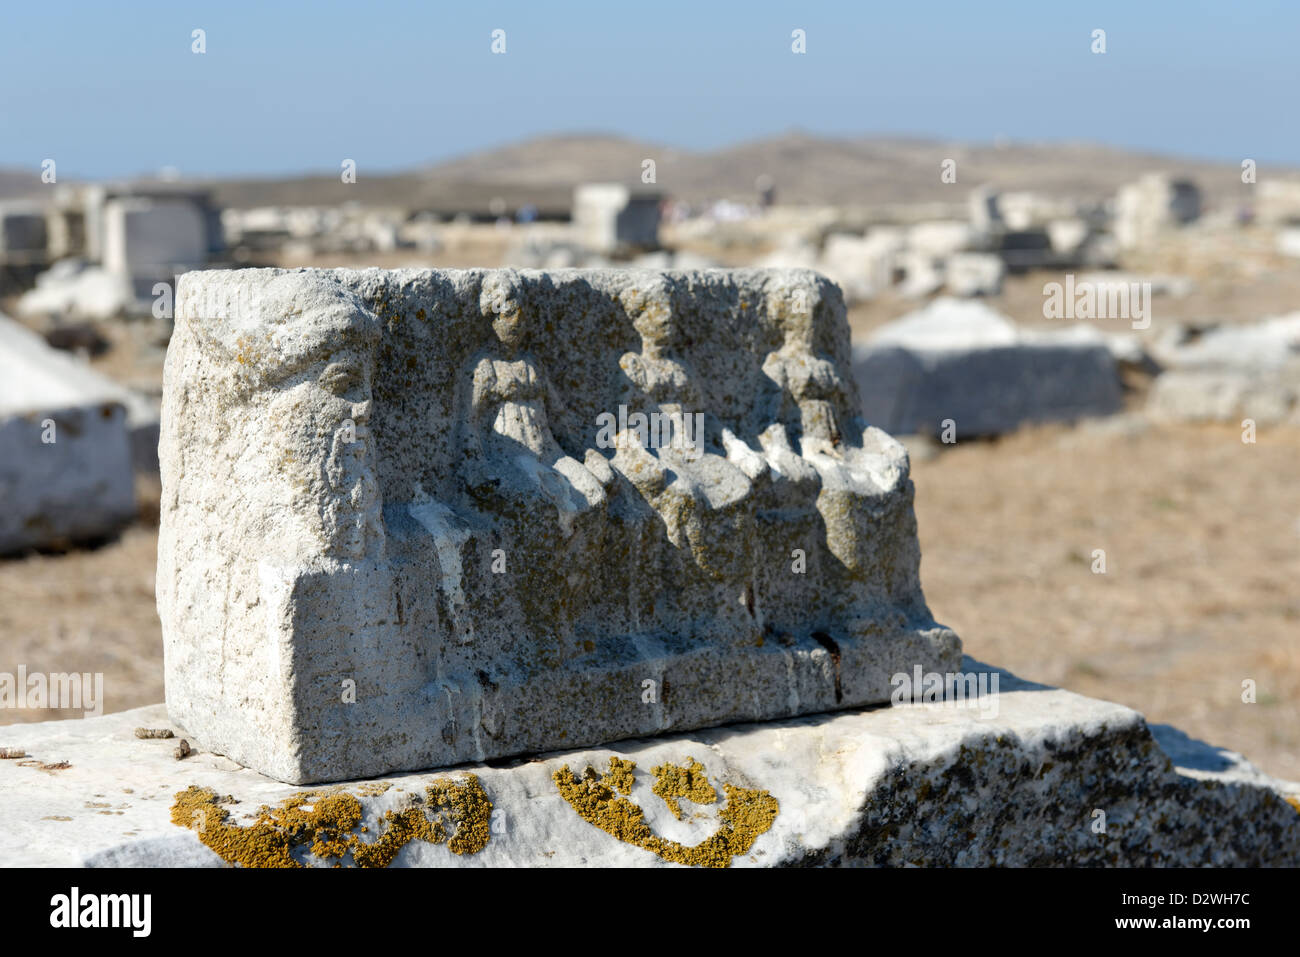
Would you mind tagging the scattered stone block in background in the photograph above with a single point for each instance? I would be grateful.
(22, 232)
(1231, 373)
(973, 274)
(150, 240)
(1288, 241)
(78, 486)
(609, 217)
(1154, 205)
(964, 362)
(408, 520)
(941, 238)
(922, 274)
(862, 266)
(72, 287)
(1226, 397)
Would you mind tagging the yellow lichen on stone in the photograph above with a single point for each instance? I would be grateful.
(328, 824)
(259, 845)
(748, 813)
(673, 781)
(471, 811)
(1294, 802)
(402, 828)
(619, 775)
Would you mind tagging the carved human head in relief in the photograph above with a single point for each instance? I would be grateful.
(502, 298)
(650, 307)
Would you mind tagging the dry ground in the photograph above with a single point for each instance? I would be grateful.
(1201, 535)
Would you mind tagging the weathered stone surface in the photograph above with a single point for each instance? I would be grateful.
(65, 455)
(1024, 775)
(1232, 373)
(415, 489)
(963, 361)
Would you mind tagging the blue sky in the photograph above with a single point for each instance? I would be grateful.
(114, 89)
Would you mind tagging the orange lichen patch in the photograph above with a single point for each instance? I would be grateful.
(1294, 802)
(673, 782)
(328, 824)
(748, 813)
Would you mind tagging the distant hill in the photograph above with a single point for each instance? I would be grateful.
(18, 184)
(542, 172)
(864, 171)
(804, 168)
(876, 171)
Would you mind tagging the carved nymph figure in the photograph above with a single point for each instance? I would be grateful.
(808, 389)
(654, 373)
(508, 434)
(702, 498)
(518, 472)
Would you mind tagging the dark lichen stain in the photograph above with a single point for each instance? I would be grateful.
(328, 824)
(748, 812)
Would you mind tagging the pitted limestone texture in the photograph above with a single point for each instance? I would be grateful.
(412, 519)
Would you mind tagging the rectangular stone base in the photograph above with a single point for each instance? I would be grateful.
(622, 689)
(1011, 778)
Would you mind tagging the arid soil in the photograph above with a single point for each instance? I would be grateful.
(1201, 535)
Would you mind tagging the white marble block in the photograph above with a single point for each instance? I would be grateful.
(65, 455)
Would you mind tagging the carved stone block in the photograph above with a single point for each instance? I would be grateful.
(417, 518)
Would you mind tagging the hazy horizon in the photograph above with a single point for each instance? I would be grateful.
(608, 136)
(115, 93)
